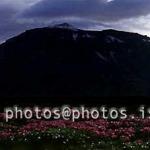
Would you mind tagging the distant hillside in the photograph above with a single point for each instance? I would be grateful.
(65, 61)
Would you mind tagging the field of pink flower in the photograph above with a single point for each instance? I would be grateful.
(84, 134)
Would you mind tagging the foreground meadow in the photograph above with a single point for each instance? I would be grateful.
(131, 133)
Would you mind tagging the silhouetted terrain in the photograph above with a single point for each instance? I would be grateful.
(64, 61)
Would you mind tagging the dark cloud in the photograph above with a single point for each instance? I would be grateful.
(6, 16)
(91, 9)
(9, 22)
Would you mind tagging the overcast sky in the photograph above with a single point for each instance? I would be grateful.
(17, 16)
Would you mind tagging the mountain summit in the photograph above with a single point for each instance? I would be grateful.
(64, 26)
(59, 62)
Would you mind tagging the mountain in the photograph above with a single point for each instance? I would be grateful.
(64, 61)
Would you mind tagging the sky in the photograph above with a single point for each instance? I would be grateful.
(16, 16)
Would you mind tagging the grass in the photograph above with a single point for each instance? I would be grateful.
(128, 134)
(66, 139)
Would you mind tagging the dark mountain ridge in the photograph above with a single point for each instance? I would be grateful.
(65, 61)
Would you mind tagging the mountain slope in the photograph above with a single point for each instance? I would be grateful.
(64, 61)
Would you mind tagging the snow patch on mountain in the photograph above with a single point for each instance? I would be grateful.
(101, 56)
(87, 36)
(110, 39)
(75, 36)
(65, 26)
(112, 54)
(146, 40)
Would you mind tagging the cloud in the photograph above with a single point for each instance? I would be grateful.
(9, 23)
(19, 15)
(128, 15)
(102, 10)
